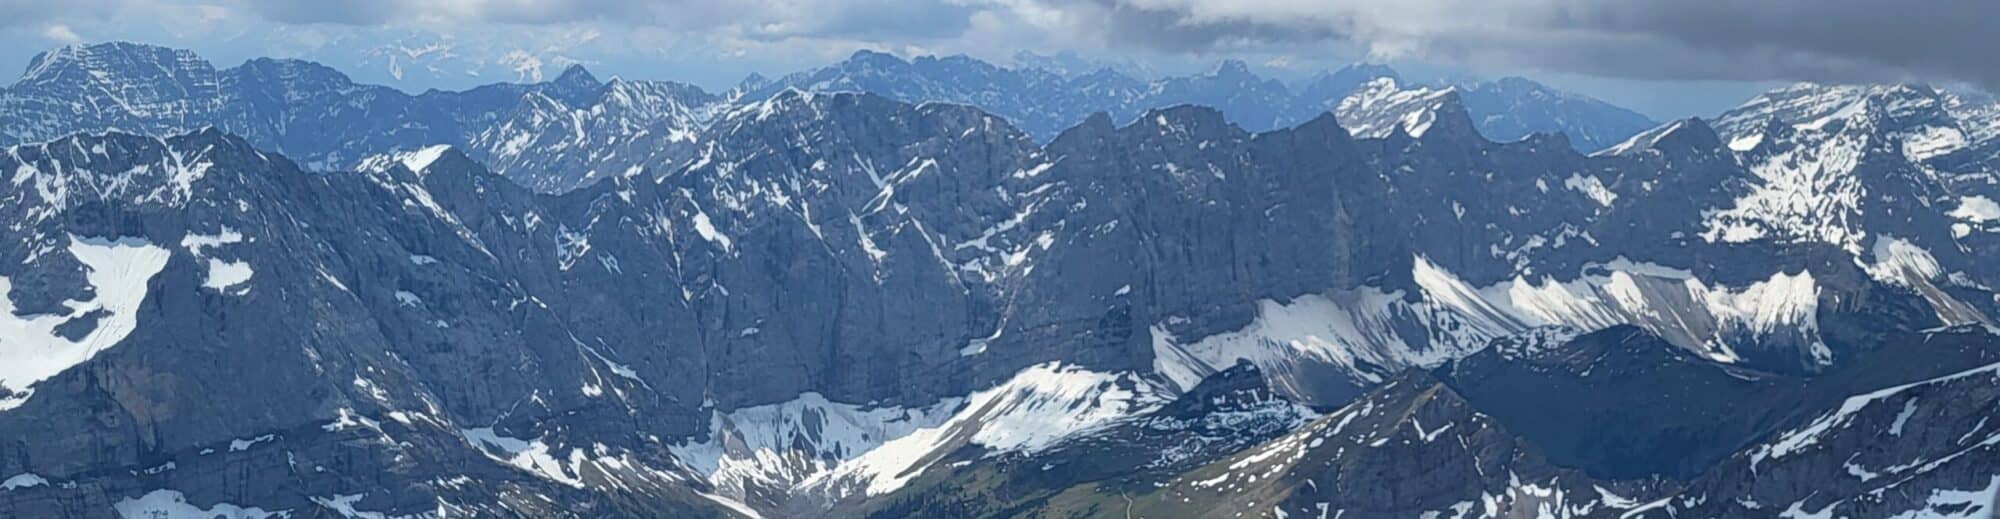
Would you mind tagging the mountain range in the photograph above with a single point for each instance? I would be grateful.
(938, 288)
(575, 130)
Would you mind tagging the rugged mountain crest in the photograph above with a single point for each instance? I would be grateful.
(843, 303)
(1411, 447)
(1044, 102)
(585, 129)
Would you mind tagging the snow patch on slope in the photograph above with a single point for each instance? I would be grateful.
(1645, 140)
(171, 504)
(117, 271)
(1380, 107)
(1369, 333)
(787, 443)
(1591, 187)
(1806, 436)
(23, 480)
(1976, 209)
(1898, 262)
(1034, 410)
(1366, 333)
(418, 161)
(222, 275)
(1803, 194)
(532, 456)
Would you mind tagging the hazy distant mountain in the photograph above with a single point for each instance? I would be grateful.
(553, 136)
(800, 303)
(1045, 97)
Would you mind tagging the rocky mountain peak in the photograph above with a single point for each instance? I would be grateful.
(1691, 135)
(865, 59)
(1381, 107)
(415, 163)
(1233, 68)
(1449, 121)
(752, 82)
(126, 168)
(1333, 86)
(576, 76)
(100, 62)
(1185, 120)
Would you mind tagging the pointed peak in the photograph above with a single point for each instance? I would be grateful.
(753, 82)
(415, 161)
(576, 75)
(1690, 134)
(1097, 120)
(1448, 119)
(1380, 108)
(1325, 121)
(1094, 128)
(1232, 68)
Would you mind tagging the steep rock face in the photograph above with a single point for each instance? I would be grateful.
(386, 315)
(556, 143)
(865, 223)
(1210, 220)
(1412, 447)
(1621, 403)
(1513, 108)
(123, 85)
(1325, 91)
(834, 292)
(1916, 449)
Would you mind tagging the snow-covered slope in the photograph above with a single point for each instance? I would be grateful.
(830, 299)
(1919, 449)
(1382, 107)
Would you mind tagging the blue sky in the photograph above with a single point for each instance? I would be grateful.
(1665, 58)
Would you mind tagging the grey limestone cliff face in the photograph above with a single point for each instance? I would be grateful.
(419, 331)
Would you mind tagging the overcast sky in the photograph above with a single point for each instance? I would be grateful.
(1666, 58)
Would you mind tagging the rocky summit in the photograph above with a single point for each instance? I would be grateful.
(945, 288)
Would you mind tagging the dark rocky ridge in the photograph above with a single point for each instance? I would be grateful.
(865, 250)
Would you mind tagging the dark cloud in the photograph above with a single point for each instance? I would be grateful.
(35, 12)
(1830, 39)
(900, 20)
(1833, 40)
(1738, 40)
(1178, 32)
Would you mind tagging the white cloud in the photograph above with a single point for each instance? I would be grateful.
(61, 34)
